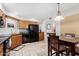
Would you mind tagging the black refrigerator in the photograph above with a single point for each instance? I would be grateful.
(33, 30)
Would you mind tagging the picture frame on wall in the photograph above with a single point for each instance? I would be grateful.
(10, 25)
(48, 26)
(1, 22)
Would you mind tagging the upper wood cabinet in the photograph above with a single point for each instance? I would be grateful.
(23, 24)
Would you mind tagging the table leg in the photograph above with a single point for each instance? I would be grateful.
(49, 48)
(73, 49)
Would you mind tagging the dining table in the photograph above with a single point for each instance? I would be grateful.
(70, 42)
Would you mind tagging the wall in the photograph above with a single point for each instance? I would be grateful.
(1, 12)
(43, 26)
(57, 26)
(7, 30)
(70, 24)
(9, 19)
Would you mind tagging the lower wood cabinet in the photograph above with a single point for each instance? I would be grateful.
(1, 49)
(41, 36)
(16, 40)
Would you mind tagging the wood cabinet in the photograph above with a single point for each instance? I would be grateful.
(16, 40)
(1, 49)
(41, 36)
(23, 24)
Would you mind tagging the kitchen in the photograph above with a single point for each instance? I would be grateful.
(18, 32)
(26, 29)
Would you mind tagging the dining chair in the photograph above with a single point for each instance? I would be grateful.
(77, 49)
(76, 46)
(53, 44)
(52, 34)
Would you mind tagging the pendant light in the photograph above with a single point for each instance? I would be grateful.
(59, 17)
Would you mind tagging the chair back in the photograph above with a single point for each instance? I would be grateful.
(52, 34)
(70, 35)
(54, 42)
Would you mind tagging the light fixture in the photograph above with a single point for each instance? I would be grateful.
(59, 17)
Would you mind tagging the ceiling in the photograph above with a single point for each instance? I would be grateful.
(40, 11)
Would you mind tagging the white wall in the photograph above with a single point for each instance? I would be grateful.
(57, 28)
(7, 30)
(58, 20)
(44, 29)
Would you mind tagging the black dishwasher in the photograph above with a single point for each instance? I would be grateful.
(25, 38)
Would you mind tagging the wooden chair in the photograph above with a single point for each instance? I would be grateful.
(72, 35)
(51, 34)
(77, 49)
(53, 44)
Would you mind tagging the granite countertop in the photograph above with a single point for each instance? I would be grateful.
(3, 38)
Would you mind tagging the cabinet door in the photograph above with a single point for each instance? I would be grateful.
(13, 42)
(16, 41)
(23, 24)
(41, 36)
(19, 40)
(1, 49)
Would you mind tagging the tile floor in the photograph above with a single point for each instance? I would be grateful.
(31, 49)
